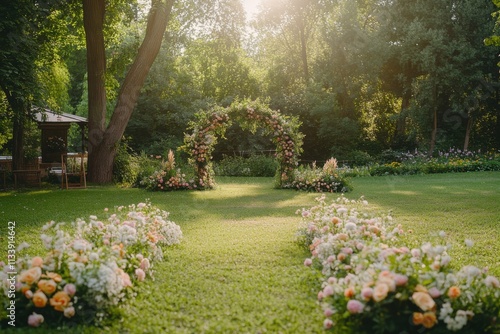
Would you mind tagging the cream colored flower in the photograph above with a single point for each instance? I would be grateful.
(423, 300)
(380, 292)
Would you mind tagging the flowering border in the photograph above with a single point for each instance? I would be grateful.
(88, 274)
(373, 283)
(251, 115)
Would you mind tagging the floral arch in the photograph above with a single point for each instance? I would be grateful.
(251, 115)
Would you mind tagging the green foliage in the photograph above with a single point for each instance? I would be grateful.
(125, 166)
(314, 179)
(254, 165)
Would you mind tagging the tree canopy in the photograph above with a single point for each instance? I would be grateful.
(361, 76)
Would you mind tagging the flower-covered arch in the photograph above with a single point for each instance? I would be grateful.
(251, 115)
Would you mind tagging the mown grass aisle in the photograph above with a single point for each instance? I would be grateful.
(237, 270)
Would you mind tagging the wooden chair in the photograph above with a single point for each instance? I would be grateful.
(73, 165)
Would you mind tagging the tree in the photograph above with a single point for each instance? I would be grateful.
(103, 140)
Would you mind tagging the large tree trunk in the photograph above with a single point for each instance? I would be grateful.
(103, 143)
(468, 130)
(93, 21)
(20, 111)
(434, 122)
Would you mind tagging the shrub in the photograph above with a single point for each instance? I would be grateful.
(326, 179)
(125, 166)
(255, 165)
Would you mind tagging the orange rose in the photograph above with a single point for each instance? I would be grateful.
(429, 319)
(454, 292)
(37, 261)
(349, 292)
(39, 299)
(47, 286)
(418, 318)
(336, 220)
(56, 277)
(423, 300)
(31, 275)
(60, 301)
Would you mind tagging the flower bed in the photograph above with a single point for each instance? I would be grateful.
(86, 274)
(373, 283)
(326, 179)
(451, 161)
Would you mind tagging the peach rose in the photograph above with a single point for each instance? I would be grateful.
(39, 299)
(420, 288)
(47, 286)
(336, 220)
(60, 301)
(56, 277)
(454, 292)
(423, 300)
(380, 292)
(418, 318)
(28, 294)
(31, 275)
(429, 319)
(37, 261)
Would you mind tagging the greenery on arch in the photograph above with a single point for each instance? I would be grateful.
(251, 115)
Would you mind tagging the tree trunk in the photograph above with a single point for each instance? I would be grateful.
(20, 111)
(468, 130)
(103, 143)
(401, 121)
(434, 123)
(303, 49)
(93, 21)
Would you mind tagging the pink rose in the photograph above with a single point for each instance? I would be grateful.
(328, 312)
(354, 306)
(141, 275)
(400, 279)
(70, 289)
(35, 320)
(328, 291)
(308, 262)
(328, 323)
(434, 292)
(367, 293)
(145, 264)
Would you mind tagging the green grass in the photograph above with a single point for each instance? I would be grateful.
(238, 269)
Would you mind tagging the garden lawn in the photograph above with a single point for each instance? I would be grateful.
(237, 269)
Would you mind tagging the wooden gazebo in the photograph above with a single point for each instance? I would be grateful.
(55, 128)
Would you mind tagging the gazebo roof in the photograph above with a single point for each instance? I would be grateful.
(44, 115)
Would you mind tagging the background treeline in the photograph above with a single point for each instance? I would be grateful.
(364, 76)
